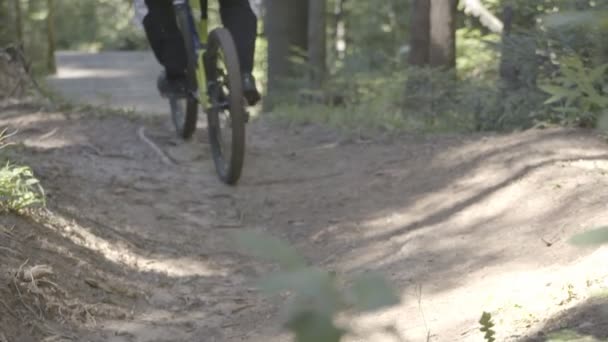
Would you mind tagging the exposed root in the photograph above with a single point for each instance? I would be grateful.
(34, 273)
(163, 157)
(20, 296)
(11, 251)
(49, 134)
(58, 338)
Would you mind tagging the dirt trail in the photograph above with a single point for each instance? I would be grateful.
(459, 224)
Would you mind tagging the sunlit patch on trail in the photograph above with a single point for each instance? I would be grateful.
(66, 72)
(125, 255)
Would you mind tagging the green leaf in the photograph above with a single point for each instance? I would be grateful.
(593, 237)
(313, 327)
(312, 288)
(372, 292)
(270, 248)
(598, 72)
(305, 281)
(557, 20)
(588, 18)
(555, 90)
(569, 110)
(486, 327)
(31, 181)
(553, 99)
(486, 320)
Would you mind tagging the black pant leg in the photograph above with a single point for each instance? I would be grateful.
(165, 38)
(239, 19)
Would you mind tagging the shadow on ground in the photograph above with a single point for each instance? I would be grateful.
(587, 321)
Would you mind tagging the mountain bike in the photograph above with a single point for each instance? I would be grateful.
(214, 82)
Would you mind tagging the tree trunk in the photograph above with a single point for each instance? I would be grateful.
(443, 33)
(50, 22)
(340, 29)
(317, 40)
(286, 29)
(420, 32)
(508, 69)
(19, 23)
(4, 29)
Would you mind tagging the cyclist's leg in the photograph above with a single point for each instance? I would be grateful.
(239, 19)
(164, 37)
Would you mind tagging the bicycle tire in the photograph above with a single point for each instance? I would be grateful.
(187, 126)
(221, 45)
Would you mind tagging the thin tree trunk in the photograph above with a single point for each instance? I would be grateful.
(508, 70)
(340, 29)
(18, 23)
(50, 22)
(420, 32)
(443, 33)
(4, 18)
(286, 29)
(317, 40)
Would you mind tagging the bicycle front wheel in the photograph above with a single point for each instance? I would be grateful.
(226, 116)
(184, 110)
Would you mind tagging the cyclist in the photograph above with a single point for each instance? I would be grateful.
(167, 44)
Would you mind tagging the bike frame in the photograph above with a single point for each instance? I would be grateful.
(198, 10)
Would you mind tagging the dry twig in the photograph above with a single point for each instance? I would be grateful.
(163, 157)
(12, 251)
(428, 331)
(34, 273)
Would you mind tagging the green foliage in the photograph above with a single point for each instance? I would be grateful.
(91, 25)
(375, 33)
(507, 110)
(370, 292)
(270, 249)
(97, 25)
(486, 327)
(589, 19)
(370, 88)
(563, 56)
(316, 295)
(19, 189)
(578, 92)
(476, 54)
(577, 33)
(410, 100)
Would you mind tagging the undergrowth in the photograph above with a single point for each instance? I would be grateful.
(316, 297)
(418, 100)
(19, 188)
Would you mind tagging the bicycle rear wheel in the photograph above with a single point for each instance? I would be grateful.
(184, 110)
(226, 117)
